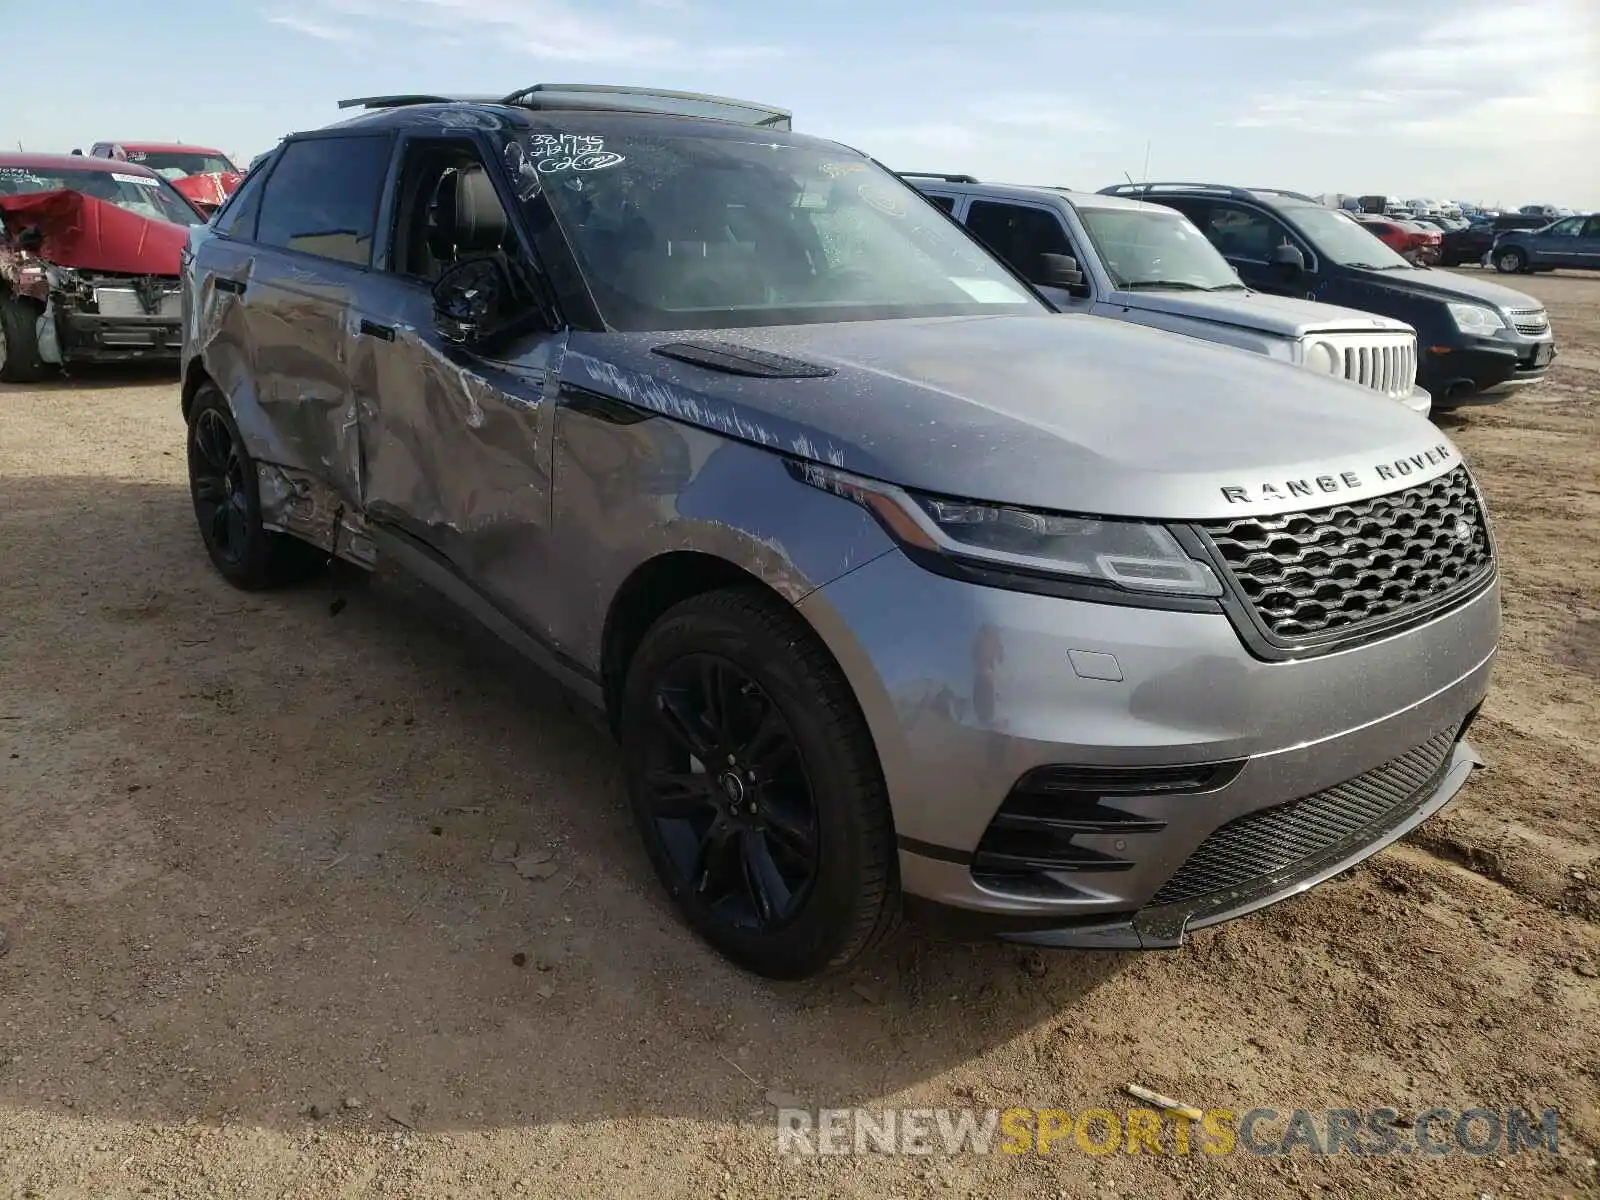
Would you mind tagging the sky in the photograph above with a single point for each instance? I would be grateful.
(1494, 101)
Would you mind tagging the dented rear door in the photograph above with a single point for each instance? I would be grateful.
(311, 256)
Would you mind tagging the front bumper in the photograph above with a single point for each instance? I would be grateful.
(1481, 370)
(968, 689)
(92, 337)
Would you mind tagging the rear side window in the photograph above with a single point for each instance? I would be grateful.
(322, 197)
(238, 216)
(1020, 235)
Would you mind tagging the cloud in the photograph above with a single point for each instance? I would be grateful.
(1006, 135)
(1331, 110)
(542, 29)
(1037, 113)
(1083, 28)
(311, 28)
(1524, 71)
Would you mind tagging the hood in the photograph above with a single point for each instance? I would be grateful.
(1281, 315)
(1066, 412)
(207, 192)
(1449, 285)
(80, 231)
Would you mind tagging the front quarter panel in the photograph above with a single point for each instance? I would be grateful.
(630, 487)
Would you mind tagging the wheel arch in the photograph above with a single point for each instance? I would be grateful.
(654, 587)
(665, 581)
(195, 376)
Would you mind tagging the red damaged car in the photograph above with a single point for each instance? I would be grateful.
(206, 177)
(1415, 242)
(89, 253)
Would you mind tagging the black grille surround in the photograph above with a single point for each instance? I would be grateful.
(1032, 839)
(1265, 844)
(1322, 579)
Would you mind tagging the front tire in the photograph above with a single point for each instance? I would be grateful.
(19, 342)
(1511, 262)
(756, 786)
(227, 503)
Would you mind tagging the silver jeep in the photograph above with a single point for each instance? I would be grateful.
(890, 580)
(1145, 263)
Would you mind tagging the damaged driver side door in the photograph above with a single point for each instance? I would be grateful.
(455, 425)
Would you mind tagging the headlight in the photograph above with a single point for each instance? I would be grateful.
(63, 279)
(1320, 357)
(1474, 318)
(1111, 553)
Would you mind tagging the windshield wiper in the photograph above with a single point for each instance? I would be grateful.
(1176, 284)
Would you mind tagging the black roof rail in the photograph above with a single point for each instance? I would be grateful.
(407, 99)
(602, 96)
(1272, 191)
(1220, 189)
(1136, 189)
(940, 175)
(654, 100)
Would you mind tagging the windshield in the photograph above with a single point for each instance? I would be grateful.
(1156, 249)
(1345, 240)
(741, 229)
(176, 165)
(137, 193)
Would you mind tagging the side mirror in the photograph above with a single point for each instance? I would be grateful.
(471, 301)
(77, 152)
(1288, 259)
(1062, 271)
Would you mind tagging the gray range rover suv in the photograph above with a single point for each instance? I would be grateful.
(891, 581)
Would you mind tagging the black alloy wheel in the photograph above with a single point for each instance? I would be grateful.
(227, 503)
(217, 480)
(729, 793)
(756, 786)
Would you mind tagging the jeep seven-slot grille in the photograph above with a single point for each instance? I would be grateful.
(1262, 845)
(1329, 571)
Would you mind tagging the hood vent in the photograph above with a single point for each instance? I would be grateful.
(733, 359)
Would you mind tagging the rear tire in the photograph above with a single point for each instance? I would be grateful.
(1511, 262)
(19, 342)
(756, 786)
(227, 504)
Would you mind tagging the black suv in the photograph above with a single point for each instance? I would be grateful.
(1478, 341)
(1469, 245)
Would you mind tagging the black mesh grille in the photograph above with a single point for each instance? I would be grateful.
(1314, 574)
(1270, 841)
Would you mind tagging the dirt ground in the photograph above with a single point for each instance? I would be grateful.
(251, 862)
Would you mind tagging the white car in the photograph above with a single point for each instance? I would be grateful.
(1129, 260)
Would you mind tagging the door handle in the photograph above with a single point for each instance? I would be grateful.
(224, 284)
(372, 329)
